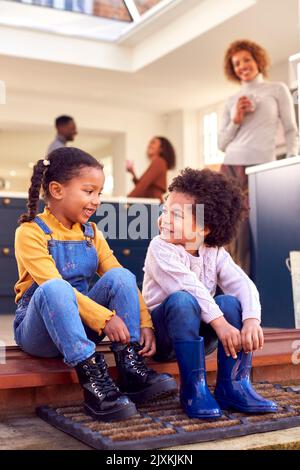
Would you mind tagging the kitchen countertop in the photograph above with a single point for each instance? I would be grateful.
(272, 165)
(121, 199)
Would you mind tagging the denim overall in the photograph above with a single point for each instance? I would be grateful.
(47, 322)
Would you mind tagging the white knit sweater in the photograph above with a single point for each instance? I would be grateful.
(254, 140)
(170, 268)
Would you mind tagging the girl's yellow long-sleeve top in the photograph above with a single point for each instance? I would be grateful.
(35, 264)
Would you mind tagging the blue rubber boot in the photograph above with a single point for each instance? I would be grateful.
(195, 397)
(234, 390)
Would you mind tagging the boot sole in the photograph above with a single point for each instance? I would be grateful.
(202, 416)
(158, 390)
(119, 414)
(228, 405)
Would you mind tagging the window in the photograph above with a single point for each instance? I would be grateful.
(109, 177)
(104, 20)
(212, 155)
(120, 10)
(2, 92)
(145, 5)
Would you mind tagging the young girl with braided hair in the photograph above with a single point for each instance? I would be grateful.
(58, 252)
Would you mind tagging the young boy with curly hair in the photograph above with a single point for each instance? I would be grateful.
(183, 267)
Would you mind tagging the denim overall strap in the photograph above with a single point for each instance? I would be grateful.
(88, 233)
(24, 301)
(88, 230)
(42, 225)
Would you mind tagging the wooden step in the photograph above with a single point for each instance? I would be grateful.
(22, 370)
(27, 380)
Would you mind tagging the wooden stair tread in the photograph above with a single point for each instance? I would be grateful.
(22, 370)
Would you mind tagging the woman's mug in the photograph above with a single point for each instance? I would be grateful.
(254, 100)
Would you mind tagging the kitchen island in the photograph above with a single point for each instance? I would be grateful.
(274, 193)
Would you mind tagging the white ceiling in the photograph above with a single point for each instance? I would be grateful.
(190, 77)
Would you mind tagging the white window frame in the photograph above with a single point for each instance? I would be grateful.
(209, 125)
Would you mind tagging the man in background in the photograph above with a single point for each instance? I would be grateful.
(66, 131)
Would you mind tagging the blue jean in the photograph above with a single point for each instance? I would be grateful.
(52, 325)
(179, 318)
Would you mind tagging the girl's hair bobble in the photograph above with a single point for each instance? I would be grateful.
(46, 162)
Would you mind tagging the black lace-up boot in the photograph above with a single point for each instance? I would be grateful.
(102, 398)
(136, 380)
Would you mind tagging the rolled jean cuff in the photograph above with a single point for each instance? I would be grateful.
(82, 357)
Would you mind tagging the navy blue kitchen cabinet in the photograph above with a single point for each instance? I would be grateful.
(274, 191)
(10, 210)
(129, 251)
(11, 207)
(136, 224)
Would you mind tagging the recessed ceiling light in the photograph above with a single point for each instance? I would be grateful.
(12, 173)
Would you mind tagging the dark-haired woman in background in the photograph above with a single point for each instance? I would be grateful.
(249, 125)
(153, 183)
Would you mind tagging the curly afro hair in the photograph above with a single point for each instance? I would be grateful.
(222, 199)
(258, 53)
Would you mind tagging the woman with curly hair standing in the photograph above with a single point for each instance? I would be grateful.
(250, 121)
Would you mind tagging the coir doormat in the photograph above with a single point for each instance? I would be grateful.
(162, 423)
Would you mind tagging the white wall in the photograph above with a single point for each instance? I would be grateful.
(174, 132)
(280, 72)
(129, 130)
(182, 128)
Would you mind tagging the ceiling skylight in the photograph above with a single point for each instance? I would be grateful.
(93, 19)
(121, 10)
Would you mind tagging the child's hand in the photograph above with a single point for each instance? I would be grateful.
(148, 341)
(252, 335)
(116, 330)
(229, 336)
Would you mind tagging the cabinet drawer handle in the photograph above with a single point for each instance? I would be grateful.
(6, 201)
(5, 251)
(126, 252)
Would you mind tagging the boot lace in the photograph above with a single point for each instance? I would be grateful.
(100, 380)
(138, 361)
